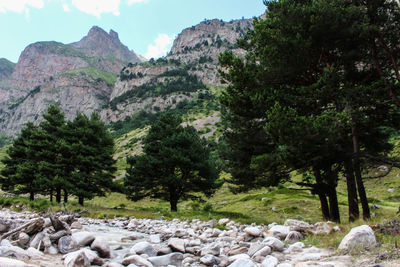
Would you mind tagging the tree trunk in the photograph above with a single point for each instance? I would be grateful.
(322, 196)
(51, 195)
(80, 200)
(58, 195)
(357, 172)
(65, 196)
(334, 205)
(354, 212)
(31, 196)
(174, 204)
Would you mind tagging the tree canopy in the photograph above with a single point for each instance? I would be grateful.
(312, 87)
(175, 164)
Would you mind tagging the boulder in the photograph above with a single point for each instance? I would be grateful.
(137, 260)
(362, 236)
(144, 248)
(242, 263)
(293, 236)
(52, 250)
(14, 252)
(83, 238)
(76, 260)
(155, 239)
(210, 260)
(177, 244)
(76, 225)
(23, 239)
(280, 231)
(34, 253)
(297, 225)
(270, 261)
(274, 243)
(223, 221)
(213, 249)
(254, 247)
(321, 228)
(101, 246)
(253, 231)
(263, 252)
(114, 264)
(66, 245)
(175, 259)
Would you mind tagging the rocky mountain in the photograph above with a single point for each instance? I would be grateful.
(78, 76)
(194, 55)
(6, 68)
(99, 73)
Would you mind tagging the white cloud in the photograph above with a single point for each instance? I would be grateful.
(20, 6)
(66, 8)
(159, 47)
(131, 2)
(97, 7)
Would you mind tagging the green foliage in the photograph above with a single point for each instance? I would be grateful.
(175, 163)
(181, 81)
(95, 73)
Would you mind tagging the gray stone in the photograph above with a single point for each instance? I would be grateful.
(213, 249)
(274, 243)
(36, 241)
(114, 264)
(254, 247)
(253, 231)
(76, 260)
(242, 263)
(13, 252)
(34, 253)
(270, 261)
(52, 250)
(66, 244)
(223, 221)
(23, 239)
(136, 259)
(285, 264)
(293, 236)
(83, 238)
(266, 250)
(76, 225)
(175, 259)
(362, 236)
(280, 231)
(210, 260)
(144, 248)
(155, 239)
(100, 245)
(177, 244)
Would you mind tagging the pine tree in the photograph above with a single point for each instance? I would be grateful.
(175, 164)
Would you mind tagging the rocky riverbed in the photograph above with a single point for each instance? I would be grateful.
(67, 240)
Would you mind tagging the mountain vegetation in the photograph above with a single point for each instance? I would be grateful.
(314, 94)
(73, 157)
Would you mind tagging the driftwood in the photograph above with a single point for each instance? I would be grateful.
(56, 236)
(57, 224)
(30, 228)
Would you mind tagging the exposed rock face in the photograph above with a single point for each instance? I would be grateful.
(100, 44)
(79, 77)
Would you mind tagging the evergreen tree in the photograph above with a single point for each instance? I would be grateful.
(22, 171)
(91, 149)
(310, 80)
(175, 164)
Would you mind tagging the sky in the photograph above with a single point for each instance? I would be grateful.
(146, 26)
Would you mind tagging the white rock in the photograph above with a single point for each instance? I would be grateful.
(136, 259)
(7, 262)
(274, 243)
(76, 225)
(391, 190)
(223, 221)
(254, 247)
(23, 239)
(177, 244)
(280, 231)
(52, 250)
(210, 260)
(263, 252)
(76, 259)
(213, 249)
(83, 238)
(297, 224)
(242, 263)
(362, 236)
(114, 264)
(284, 265)
(293, 236)
(253, 231)
(34, 253)
(100, 245)
(238, 256)
(270, 261)
(155, 239)
(144, 248)
(175, 259)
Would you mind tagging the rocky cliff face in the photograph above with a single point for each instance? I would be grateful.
(100, 44)
(82, 76)
(78, 76)
(195, 51)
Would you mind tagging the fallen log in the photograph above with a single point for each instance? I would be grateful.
(30, 228)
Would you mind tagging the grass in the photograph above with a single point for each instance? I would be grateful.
(95, 73)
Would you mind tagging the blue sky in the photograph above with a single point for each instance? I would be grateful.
(146, 26)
